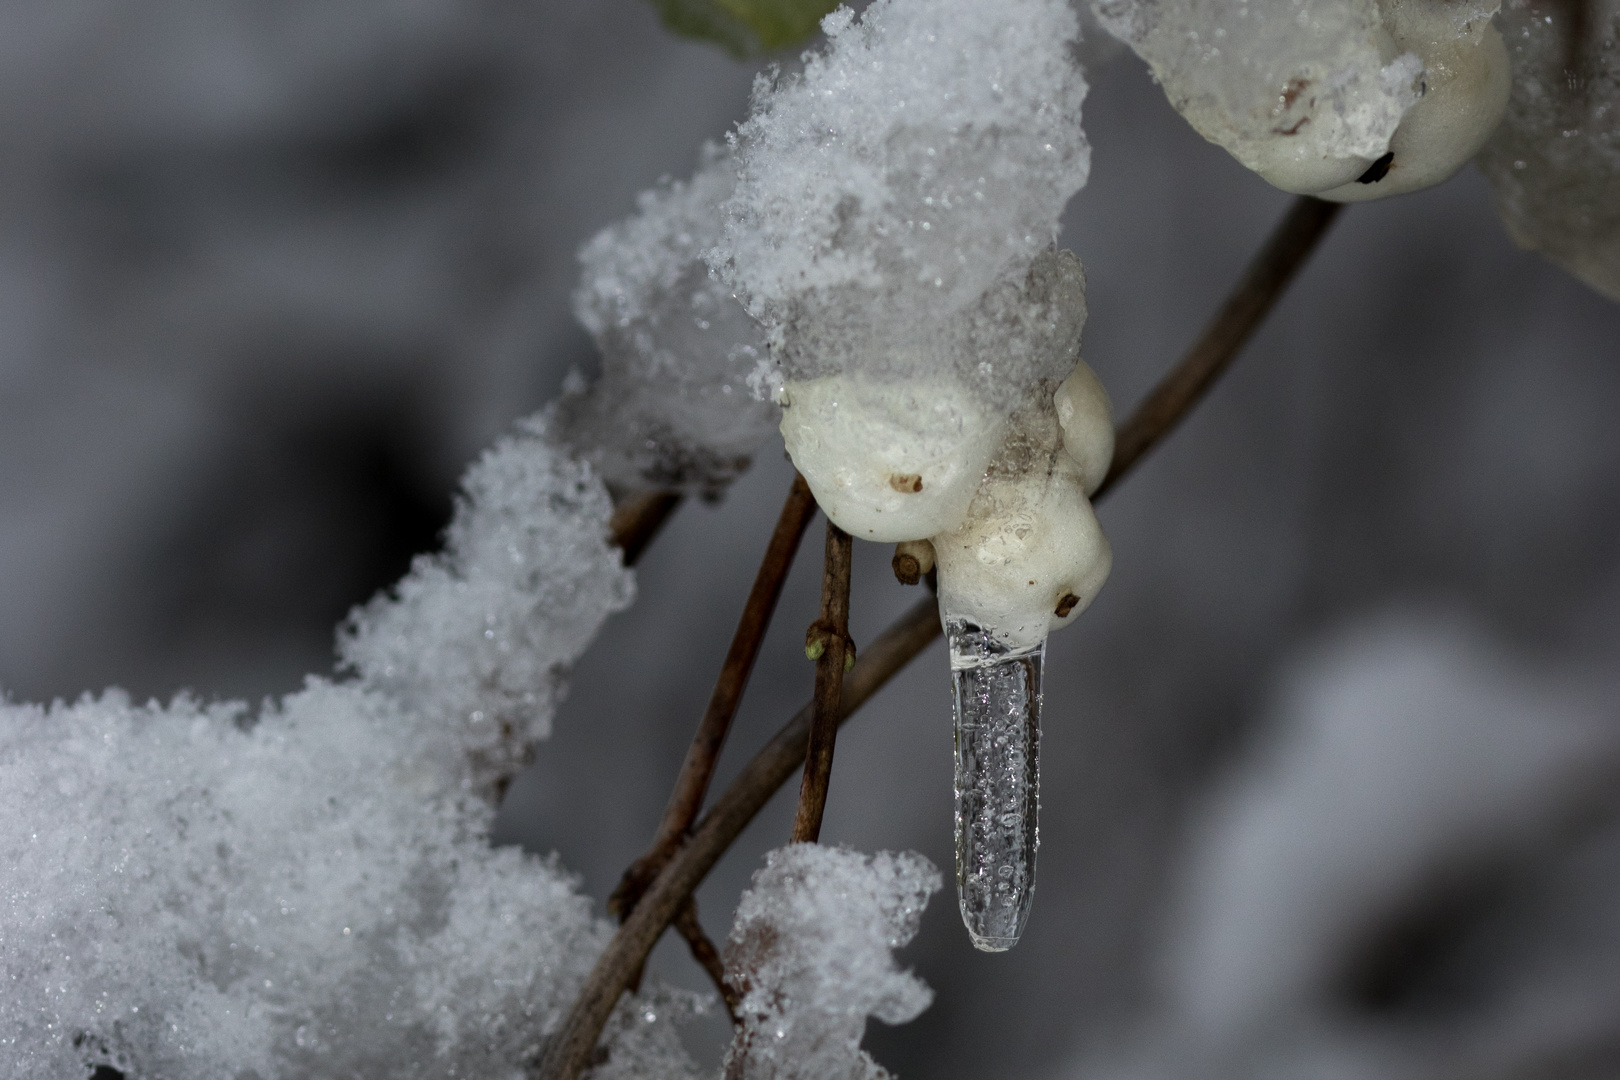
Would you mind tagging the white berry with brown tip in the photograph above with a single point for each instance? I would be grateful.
(1030, 549)
(889, 461)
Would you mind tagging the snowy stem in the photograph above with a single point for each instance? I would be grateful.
(829, 641)
(569, 1050)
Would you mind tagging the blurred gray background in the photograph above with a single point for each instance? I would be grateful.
(1330, 769)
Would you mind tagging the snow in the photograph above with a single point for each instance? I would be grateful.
(812, 954)
(476, 641)
(307, 888)
(672, 408)
(918, 163)
(1555, 161)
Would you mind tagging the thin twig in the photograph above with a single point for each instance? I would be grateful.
(637, 519)
(569, 1051)
(707, 956)
(1263, 282)
(828, 641)
(698, 768)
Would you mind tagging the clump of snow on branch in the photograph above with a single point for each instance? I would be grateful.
(812, 955)
(917, 163)
(1555, 160)
(475, 642)
(672, 408)
(307, 888)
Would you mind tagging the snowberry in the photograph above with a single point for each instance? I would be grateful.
(1000, 505)
(889, 461)
(1029, 557)
(1465, 88)
(1344, 99)
(1085, 416)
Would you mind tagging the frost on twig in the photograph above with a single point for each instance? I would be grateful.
(811, 954)
(307, 888)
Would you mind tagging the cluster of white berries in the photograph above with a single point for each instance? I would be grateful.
(999, 501)
(892, 229)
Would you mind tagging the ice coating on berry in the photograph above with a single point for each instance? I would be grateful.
(1346, 99)
(1465, 85)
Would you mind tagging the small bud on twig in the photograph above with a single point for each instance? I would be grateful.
(912, 559)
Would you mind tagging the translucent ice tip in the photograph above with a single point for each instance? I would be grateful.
(998, 729)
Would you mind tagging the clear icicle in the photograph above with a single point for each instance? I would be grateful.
(998, 728)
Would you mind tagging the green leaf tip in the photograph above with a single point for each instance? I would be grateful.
(745, 27)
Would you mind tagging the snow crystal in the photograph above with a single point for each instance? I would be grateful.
(811, 953)
(475, 641)
(672, 408)
(1555, 160)
(307, 889)
(892, 196)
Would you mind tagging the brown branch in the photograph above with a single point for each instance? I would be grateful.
(637, 519)
(698, 768)
(569, 1051)
(1262, 284)
(707, 956)
(828, 642)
